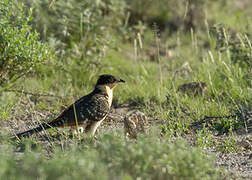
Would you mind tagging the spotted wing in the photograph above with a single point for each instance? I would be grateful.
(90, 107)
(95, 109)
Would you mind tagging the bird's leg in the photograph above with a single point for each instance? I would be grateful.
(74, 132)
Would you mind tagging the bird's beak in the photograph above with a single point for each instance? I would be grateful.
(120, 80)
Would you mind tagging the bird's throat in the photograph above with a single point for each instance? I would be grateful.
(109, 93)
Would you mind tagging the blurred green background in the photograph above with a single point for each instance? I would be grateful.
(51, 53)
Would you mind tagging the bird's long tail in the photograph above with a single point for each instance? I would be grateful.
(55, 123)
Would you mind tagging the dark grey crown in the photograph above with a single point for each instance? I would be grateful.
(108, 79)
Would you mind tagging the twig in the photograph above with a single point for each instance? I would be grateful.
(220, 117)
(206, 119)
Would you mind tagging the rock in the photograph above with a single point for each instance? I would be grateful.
(135, 122)
(193, 88)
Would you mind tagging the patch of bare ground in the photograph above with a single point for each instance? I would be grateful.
(23, 116)
(237, 163)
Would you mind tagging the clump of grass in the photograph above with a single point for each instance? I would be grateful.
(204, 138)
(236, 45)
(228, 145)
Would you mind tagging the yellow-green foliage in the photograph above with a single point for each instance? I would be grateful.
(20, 48)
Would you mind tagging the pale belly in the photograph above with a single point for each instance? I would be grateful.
(92, 129)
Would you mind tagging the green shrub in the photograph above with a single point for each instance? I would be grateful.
(237, 45)
(80, 32)
(150, 158)
(84, 27)
(169, 14)
(111, 157)
(20, 48)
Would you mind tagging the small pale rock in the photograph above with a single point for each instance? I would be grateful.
(135, 122)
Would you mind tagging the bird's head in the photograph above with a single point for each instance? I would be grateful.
(108, 81)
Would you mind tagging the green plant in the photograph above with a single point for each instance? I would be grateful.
(111, 156)
(168, 15)
(20, 48)
(204, 138)
(228, 145)
(84, 27)
(80, 32)
(237, 45)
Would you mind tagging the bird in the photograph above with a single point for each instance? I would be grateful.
(135, 122)
(89, 111)
(193, 88)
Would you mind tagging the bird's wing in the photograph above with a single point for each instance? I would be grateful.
(93, 108)
(96, 109)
